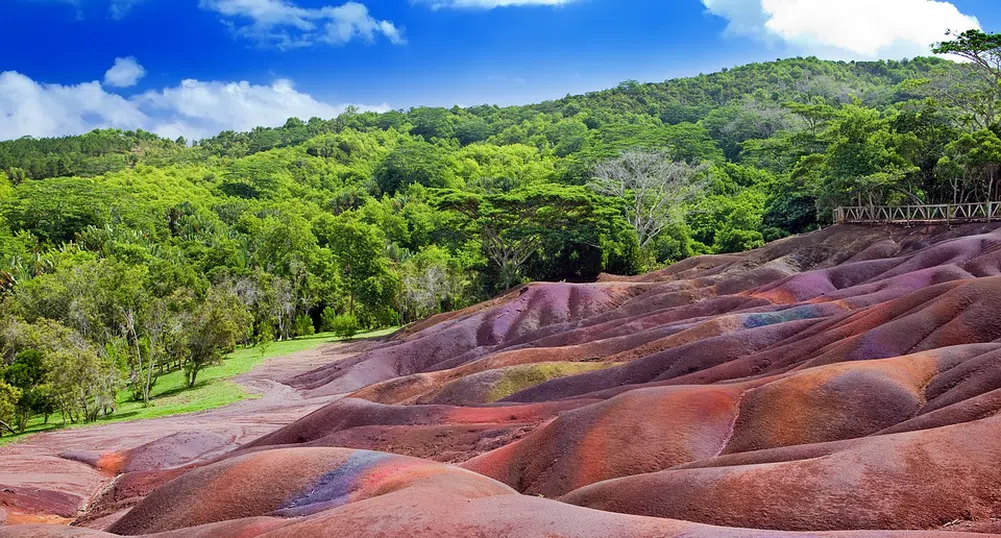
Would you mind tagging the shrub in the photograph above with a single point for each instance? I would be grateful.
(737, 240)
(774, 234)
(327, 319)
(304, 325)
(9, 397)
(344, 325)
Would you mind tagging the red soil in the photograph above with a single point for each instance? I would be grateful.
(840, 381)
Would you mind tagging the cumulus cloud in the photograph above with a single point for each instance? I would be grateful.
(198, 109)
(490, 4)
(30, 108)
(125, 73)
(285, 25)
(847, 28)
(193, 109)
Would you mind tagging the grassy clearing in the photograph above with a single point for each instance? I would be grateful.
(171, 395)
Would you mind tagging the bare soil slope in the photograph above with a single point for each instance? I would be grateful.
(54, 477)
(846, 381)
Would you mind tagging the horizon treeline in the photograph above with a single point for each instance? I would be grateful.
(124, 255)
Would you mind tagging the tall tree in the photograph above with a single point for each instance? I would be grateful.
(541, 220)
(972, 166)
(218, 324)
(864, 163)
(359, 251)
(655, 189)
(415, 161)
(983, 50)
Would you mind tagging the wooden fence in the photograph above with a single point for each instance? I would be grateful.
(919, 214)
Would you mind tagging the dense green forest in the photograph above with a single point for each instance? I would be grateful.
(124, 255)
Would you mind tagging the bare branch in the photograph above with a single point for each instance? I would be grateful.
(655, 187)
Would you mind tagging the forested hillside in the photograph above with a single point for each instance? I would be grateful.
(123, 254)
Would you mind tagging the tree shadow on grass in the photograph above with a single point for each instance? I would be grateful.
(181, 389)
(118, 416)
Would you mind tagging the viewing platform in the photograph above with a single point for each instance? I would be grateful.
(919, 214)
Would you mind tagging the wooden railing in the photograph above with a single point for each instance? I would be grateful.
(918, 214)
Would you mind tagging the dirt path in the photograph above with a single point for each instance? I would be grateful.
(35, 478)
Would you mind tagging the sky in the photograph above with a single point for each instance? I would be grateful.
(196, 67)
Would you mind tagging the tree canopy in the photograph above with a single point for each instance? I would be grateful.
(124, 255)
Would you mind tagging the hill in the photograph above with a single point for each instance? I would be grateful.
(137, 256)
(843, 380)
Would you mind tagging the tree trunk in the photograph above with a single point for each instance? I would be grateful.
(7, 426)
(990, 187)
(149, 374)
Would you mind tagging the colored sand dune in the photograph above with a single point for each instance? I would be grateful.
(845, 381)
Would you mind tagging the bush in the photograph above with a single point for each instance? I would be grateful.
(265, 333)
(303, 325)
(9, 397)
(344, 325)
(673, 244)
(774, 234)
(265, 337)
(327, 319)
(731, 240)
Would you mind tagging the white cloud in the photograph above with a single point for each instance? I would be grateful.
(117, 9)
(27, 107)
(195, 109)
(198, 109)
(847, 28)
(283, 24)
(125, 73)
(490, 4)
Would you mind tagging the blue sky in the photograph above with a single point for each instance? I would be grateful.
(194, 67)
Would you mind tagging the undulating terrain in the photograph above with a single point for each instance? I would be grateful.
(844, 380)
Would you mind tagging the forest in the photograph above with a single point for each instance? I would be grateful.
(124, 255)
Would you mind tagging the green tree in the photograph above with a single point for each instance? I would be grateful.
(983, 50)
(471, 130)
(971, 167)
(359, 253)
(83, 383)
(555, 223)
(734, 124)
(432, 281)
(413, 162)
(9, 397)
(218, 324)
(79, 379)
(815, 114)
(729, 223)
(28, 374)
(432, 123)
(863, 163)
(304, 325)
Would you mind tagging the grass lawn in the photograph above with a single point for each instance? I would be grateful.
(171, 395)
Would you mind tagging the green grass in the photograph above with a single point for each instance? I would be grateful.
(171, 395)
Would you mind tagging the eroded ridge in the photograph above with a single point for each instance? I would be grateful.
(847, 380)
